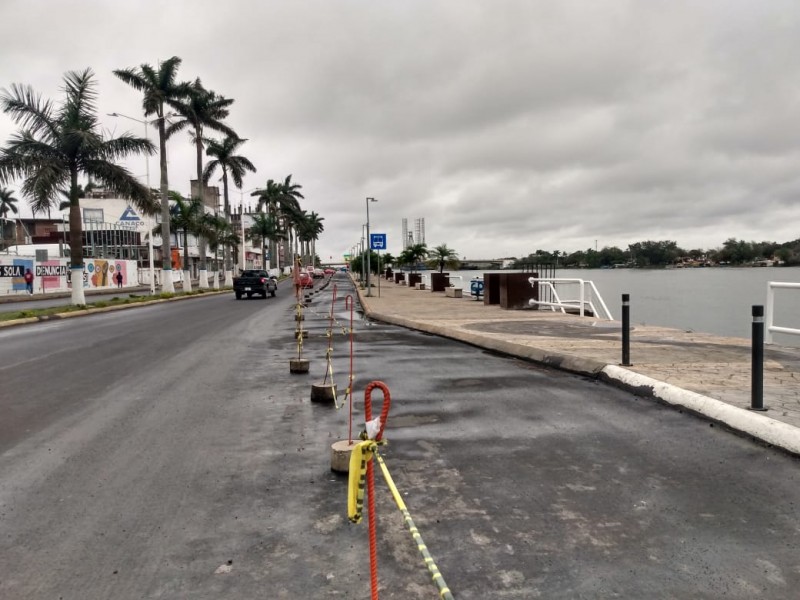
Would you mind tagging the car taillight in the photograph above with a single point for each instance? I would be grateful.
(263, 280)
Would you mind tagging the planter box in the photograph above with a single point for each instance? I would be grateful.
(452, 292)
(439, 281)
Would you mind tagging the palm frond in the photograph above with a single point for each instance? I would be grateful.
(27, 108)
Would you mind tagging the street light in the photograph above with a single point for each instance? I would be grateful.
(147, 171)
(241, 222)
(363, 258)
(369, 246)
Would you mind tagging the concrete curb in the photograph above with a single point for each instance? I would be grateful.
(756, 425)
(738, 419)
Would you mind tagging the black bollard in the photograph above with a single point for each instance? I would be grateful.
(626, 330)
(757, 378)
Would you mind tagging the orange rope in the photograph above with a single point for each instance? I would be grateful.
(373, 550)
(329, 368)
(348, 302)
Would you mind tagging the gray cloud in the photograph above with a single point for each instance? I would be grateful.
(509, 126)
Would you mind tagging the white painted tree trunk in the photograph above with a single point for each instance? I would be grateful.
(76, 275)
(187, 281)
(203, 279)
(215, 284)
(167, 285)
(228, 278)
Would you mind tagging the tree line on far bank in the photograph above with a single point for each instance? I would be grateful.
(667, 253)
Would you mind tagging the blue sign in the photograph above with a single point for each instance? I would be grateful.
(377, 241)
(129, 215)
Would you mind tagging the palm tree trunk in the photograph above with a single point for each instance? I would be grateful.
(201, 240)
(215, 283)
(273, 244)
(187, 274)
(227, 249)
(76, 243)
(167, 284)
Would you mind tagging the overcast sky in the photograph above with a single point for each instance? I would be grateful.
(508, 125)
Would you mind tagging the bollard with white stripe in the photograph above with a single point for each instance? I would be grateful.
(757, 370)
(626, 330)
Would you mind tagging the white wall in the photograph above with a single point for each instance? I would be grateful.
(53, 275)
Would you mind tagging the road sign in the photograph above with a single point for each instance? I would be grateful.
(377, 241)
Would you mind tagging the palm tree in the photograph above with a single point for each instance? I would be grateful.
(159, 87)
(7, 202)
(299, 238)
(186, 216)
(414, 254)
(309, 229)
(202, 108)
(280, 200)
(215, 228)
(442, 256)
(290, 193)
(225, 158)
(58, 144)
(264, 229)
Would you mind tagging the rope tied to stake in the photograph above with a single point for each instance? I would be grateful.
(374, 435)
(361, 454)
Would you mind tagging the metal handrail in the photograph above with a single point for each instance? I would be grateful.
(460, 281)
(580, 303)
(770, 309)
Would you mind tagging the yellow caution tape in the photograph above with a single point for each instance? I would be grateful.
(357, 477)
(444, 591)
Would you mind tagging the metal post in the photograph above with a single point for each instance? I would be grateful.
(626, 330)
(150, 233)
(770, 316)
(369, 248)
(757, 370)
(145, 122)
(363, 257)
(369, 251)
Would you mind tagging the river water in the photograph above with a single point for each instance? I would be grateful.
(711, 300)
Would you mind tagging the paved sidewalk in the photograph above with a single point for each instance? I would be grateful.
(704, 373)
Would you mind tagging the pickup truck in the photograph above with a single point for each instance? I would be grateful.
(253, 281)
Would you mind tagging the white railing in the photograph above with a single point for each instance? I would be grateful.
(580, 304)
(460, 281)
(770, 316)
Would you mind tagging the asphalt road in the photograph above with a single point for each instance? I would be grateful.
(167, 452)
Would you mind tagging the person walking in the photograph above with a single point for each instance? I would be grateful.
(28, 281)
(119, 279)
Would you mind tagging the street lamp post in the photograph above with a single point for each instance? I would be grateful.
(369, 246)
(363, 258)
(147, 175)
(241, 223)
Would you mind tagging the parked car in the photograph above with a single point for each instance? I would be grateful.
(306, 280)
